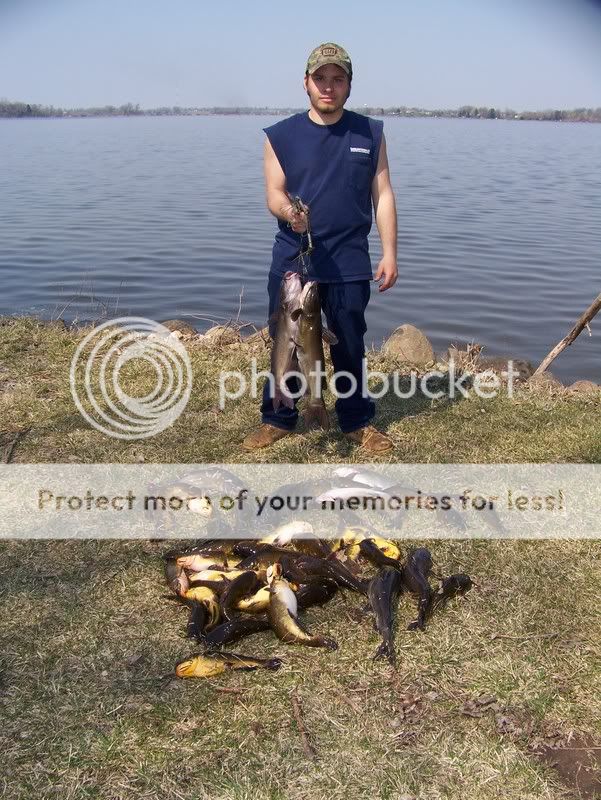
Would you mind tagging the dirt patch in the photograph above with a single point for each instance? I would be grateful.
(575, 757)
(578, 765)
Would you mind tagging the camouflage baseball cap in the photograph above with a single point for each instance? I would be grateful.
(329, 53)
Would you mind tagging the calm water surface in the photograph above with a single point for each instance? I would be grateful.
(499, 228)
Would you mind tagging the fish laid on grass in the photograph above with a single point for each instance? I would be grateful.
(415, 575)
(204, 611)
(381, 552)
(243, 585)
(238, 588)
(383, 591)
(208, 665)
(235, 629)
(283, 614)
(285, 533)
(453, 586)
(308, 569)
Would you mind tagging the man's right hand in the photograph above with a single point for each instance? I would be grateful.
(278, 199)
(296, 219)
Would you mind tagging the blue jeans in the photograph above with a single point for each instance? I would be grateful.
(344, 306)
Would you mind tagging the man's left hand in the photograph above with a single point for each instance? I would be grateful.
(387, 273)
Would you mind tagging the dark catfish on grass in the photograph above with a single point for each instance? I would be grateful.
(383, 592)
(450, 587)
(246, 584)
(307, 569)
(415, 573)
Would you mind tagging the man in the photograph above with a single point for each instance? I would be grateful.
(335, 161)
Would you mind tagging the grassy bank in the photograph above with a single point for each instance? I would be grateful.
(88, 636)
(535, 425)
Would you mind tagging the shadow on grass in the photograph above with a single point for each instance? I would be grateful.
(407, 398)
(69, 562)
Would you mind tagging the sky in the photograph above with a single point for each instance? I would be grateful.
(520, 54)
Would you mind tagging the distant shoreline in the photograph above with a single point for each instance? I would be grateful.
(12, 110)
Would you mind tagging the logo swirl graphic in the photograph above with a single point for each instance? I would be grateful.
(136, 352)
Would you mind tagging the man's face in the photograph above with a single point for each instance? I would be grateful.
(328, 88)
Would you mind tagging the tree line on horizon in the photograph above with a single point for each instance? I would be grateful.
(19, 109)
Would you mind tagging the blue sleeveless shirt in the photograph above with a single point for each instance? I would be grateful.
(331, 168)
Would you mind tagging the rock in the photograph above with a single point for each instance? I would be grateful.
(261, 336)
(409, 345)
(56, 324)
(258, 342)
(221, 335)
(469, 355)
(185, 330)
(545, 380)
(584, 387)
(500, 364)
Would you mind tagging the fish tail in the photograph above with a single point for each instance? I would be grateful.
(196, 621)
(324, 641)
(175, 577)
(281, 399)
(317, 414)
(386, 650)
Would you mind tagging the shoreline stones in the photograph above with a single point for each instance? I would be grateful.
(409, 345)
(584, 387)
(258, 342)
(545, 380)
(220, 336)
(499, 364)
(179, 328)
(469, 356)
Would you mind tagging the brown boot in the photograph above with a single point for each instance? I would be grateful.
(264, 436)
(371, 440)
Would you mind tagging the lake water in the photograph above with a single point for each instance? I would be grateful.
(499, 227)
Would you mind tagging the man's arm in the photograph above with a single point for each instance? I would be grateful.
(385, 210)
(278, 201)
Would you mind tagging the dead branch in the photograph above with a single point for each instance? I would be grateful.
(582, 323)
(240, 305)
(527, 637)
(296, 710)
(10, 447)
(227, 689)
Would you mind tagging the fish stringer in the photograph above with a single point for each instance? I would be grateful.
(304, 255)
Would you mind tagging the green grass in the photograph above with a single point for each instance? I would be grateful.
(89, 636)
